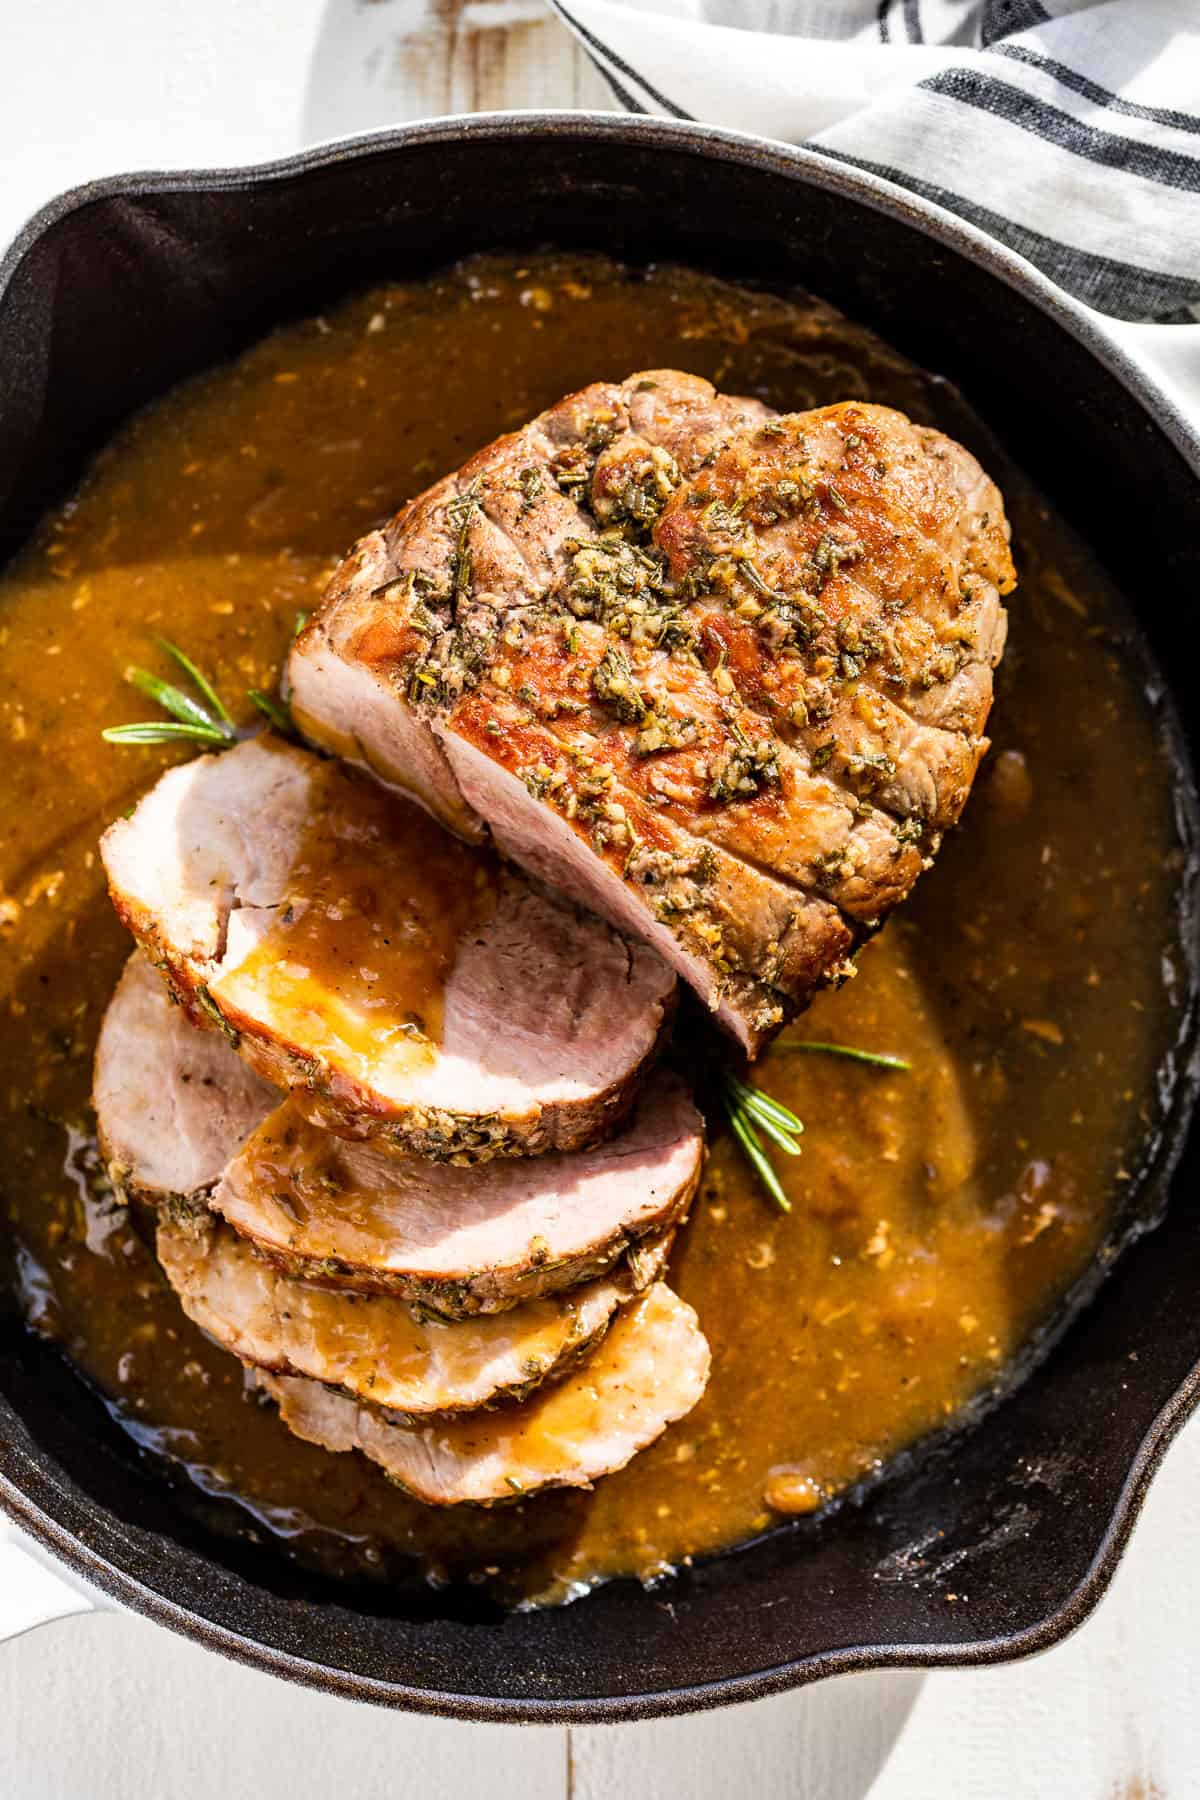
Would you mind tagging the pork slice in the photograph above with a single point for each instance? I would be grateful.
(659, 626)
(404, 985)
(462, 1240)
(172, 1104)
(650, 1370)
(379, 1349)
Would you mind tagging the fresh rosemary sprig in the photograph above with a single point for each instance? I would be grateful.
(189, 720)
(750, 1112)
(879, 1059)
(754, 1115)
(206, 721)
(276, 712)
(162, 731)
(201, 682)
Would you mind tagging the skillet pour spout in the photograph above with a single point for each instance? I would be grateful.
(120, 289)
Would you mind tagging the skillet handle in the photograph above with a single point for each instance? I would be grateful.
(1171, 354)
(34, 1591)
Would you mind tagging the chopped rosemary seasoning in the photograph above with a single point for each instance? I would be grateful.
(532, 485)
(614, 686)
(746, 768)
(460, 511)
(830, 554)
(662, 732)
(206, 721)
(749, 573)
(209, 1006)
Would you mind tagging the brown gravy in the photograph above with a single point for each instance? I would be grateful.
(938, 1215)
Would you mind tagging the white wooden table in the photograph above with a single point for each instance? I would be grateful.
(108, 1707)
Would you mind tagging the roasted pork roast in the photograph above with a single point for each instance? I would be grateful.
(398, 1359)
(719, 675)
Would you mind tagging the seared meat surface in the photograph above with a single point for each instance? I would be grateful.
(417, 607)
(719, 675)
(650, 1370)
(404, 985)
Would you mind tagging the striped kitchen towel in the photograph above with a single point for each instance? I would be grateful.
(1070, 129)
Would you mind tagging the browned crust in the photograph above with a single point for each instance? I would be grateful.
(573, 1478)
(486, 1290)
(770, 987)
(335, 1102)
(580, 1352)
(574, 1355)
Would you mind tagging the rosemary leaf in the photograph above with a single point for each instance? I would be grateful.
(173, 700)
(879, 1059)
(763, 1105)
(201, 682)
(162, 731)
(277, 712)
(750, 1112)
(208, 1005)
(756, 1156)
(783, 1140)
(302, 619)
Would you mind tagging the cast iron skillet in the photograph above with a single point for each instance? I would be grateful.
(116, 291)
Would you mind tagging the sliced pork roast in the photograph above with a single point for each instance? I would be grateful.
(650, 1370)
(462, 1240)
(168, 1142)
(379, 1349)
(721, 676)
(173, 1104)
(405, 985)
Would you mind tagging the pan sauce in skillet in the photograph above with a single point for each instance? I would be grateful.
(938, 1216)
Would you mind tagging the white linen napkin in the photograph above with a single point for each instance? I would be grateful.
(1069, 129)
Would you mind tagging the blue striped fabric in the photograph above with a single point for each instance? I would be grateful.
(1069, 129)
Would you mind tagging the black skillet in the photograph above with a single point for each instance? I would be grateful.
(117, 290)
